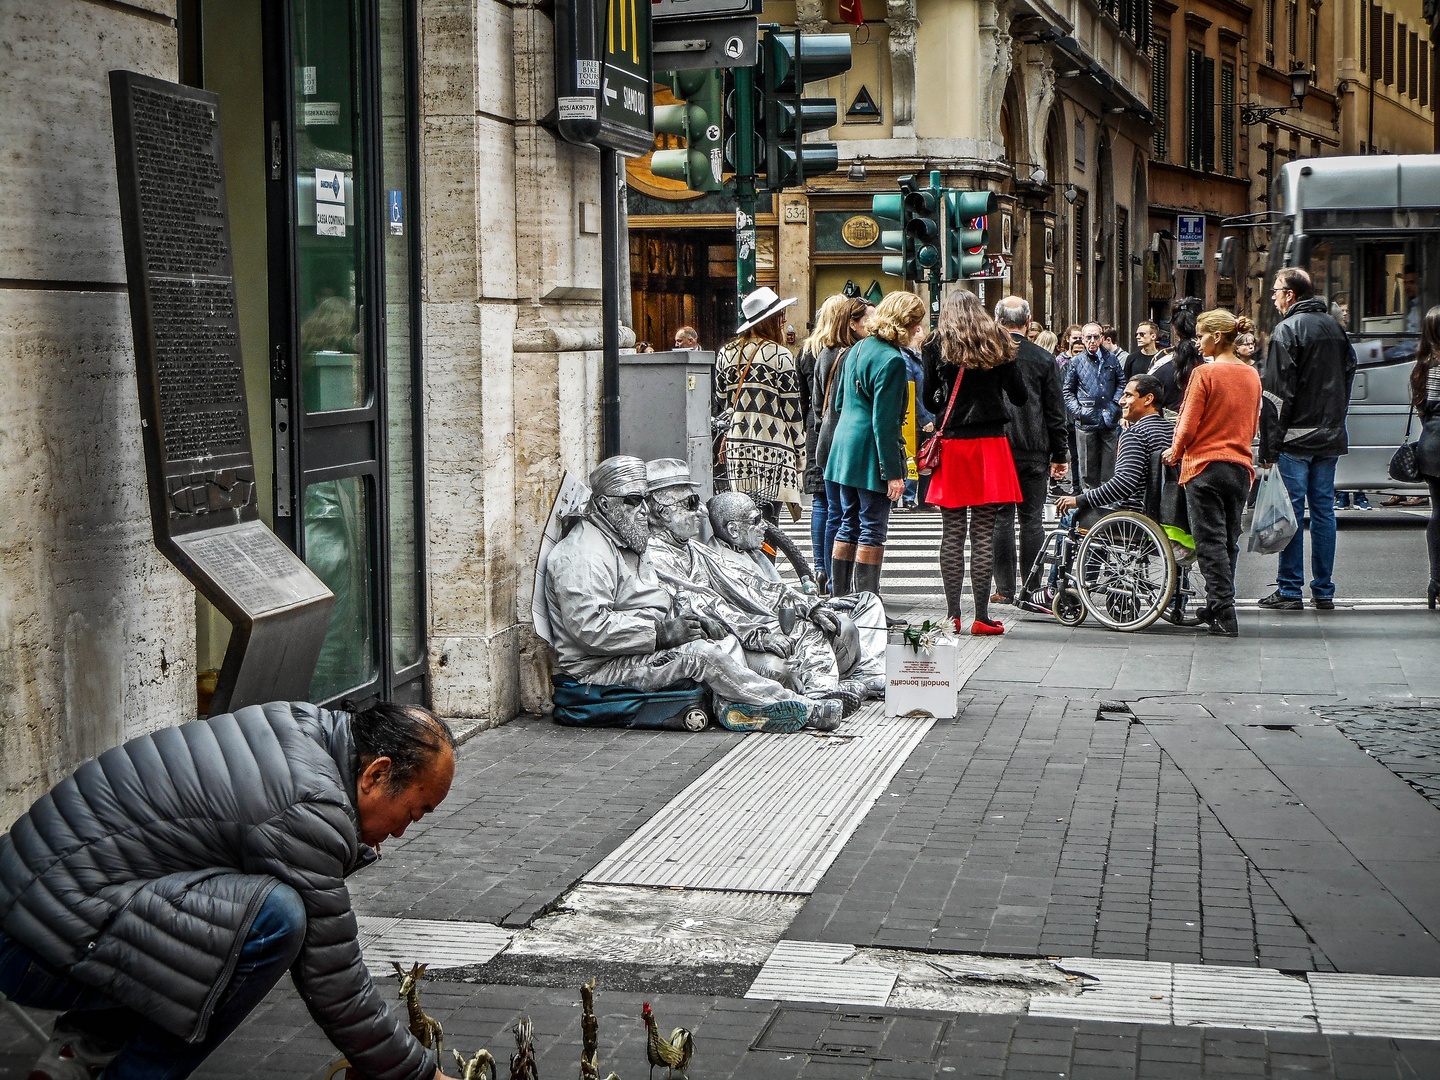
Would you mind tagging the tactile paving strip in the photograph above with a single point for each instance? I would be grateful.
(1237, 997)
(438, 944)
(1124, 991)
(772, 814)
(1385, 1005)
(816, 971)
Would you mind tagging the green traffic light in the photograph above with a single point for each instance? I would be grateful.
(697, 120)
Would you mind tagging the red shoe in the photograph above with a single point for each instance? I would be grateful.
(954, 621)
(983, 628)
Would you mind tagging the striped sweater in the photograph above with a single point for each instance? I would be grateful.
(1125, 490)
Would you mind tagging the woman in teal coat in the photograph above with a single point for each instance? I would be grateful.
(867, 458)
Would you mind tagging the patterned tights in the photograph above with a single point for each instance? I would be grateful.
(981, 522)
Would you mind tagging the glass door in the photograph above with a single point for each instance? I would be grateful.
(342, 332)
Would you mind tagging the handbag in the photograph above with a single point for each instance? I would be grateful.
(735, 401)
(1405, 462)
(927, 458)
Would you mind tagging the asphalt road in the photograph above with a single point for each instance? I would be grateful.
(1378, 553)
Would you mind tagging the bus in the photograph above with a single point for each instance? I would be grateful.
(1368, 230)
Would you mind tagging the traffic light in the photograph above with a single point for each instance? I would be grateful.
(789, 60)
(922, 226)
(889, 212)
(966, 216)
(697, 120)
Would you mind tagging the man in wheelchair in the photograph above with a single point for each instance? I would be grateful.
(1146, 433)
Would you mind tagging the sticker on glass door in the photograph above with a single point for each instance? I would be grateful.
(329, 202)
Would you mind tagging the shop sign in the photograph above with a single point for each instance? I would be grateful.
(1190, 242)
(860, 231)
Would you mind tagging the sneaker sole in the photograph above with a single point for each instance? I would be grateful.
(779, 718)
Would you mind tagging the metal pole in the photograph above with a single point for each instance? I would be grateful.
(744, 185)
(609, 305)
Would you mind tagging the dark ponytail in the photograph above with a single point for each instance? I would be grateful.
(1182, 332)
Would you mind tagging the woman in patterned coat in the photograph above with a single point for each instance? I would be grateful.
(757, 388)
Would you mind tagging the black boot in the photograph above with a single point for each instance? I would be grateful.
(867, 574)
(1432, 594)
(1223, 623)
(842, 573)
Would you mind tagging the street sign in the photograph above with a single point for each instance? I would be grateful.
(668, 10)
(626, 94)
(706, 43)
(1190, 242)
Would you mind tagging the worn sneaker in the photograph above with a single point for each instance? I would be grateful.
(1322, 603)
(848, 694)
(1278, 601)
(1224, 624)
(70, 1055)
(779, 717)
(874, 686)
(824, 715)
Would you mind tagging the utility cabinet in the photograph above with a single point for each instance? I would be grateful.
(665, 409)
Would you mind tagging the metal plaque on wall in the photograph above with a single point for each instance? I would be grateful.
(196, 428)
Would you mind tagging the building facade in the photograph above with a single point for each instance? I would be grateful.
(1045, 105)
(419, 376)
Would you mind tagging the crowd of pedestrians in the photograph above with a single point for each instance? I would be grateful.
(1023, 416)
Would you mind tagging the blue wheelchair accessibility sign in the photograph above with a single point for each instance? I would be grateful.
(397, 217)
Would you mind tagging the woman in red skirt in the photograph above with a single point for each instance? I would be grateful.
(976, 472)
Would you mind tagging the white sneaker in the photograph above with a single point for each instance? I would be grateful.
(70, 1055)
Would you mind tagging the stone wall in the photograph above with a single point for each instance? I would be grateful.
(512, 333)
(97, 631)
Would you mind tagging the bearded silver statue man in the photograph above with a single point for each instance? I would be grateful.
(798, 654)
(613, 624)
(750, 578)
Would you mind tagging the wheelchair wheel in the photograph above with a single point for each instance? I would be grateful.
(1068, 607)
(1125, 571)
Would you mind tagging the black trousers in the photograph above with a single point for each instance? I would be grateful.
(1034, 490)
(1215, 500)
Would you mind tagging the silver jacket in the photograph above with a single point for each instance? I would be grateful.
(689, 571)
(604, 600)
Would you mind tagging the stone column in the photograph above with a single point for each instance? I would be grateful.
(904, 26)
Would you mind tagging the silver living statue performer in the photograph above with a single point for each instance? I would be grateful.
(750, 579)
(794, 649)
(614, 625)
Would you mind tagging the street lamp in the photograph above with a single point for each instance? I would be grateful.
(1299, 87)
(1038, 175)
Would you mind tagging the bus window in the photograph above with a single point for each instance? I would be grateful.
(1330, 260)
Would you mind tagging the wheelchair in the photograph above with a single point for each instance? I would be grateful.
(1119, 568)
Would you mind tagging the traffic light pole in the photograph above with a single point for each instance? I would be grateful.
(744, 185)
(609, 303)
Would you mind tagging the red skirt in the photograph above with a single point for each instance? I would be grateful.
(973, 472)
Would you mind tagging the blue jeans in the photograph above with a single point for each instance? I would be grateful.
(864, 517)
(1310, 480)
(833, 515)
(149, 1051)
(819, 522)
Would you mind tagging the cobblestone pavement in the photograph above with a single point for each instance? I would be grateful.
(534, 805)
(1027, 827)
(1404, 738)
(760, 1040)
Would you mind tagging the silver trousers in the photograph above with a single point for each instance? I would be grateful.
(720, 665)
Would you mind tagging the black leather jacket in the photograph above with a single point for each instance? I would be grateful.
(1037, 428)
(1308, 371)
(141, 874)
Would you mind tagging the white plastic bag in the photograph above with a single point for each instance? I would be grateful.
(1274, 522)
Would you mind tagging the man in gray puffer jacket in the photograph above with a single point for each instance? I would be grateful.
(158, 893)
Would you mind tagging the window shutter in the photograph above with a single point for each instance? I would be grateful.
(1292, 28)
(1160, 94)
(1227, 119)
(1313, 28)
(1377, 47)
(1424, 74)
(1414, 65)
(1364, 36)
(1402, 74)
(1269, 31)
(1388, 41)
(1207, 115)
(1192, 109)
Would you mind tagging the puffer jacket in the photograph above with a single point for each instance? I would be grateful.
(1308, 371)
(140, 875)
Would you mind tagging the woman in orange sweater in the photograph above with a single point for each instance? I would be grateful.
(1212, 447)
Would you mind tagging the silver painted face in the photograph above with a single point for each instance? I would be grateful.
(627, 516)
(676, 512)
(748, 534)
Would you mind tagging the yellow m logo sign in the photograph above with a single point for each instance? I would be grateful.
(619, 41)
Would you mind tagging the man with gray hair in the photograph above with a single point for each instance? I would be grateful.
(1093, 383)
(1039, 443)
(613, 624)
